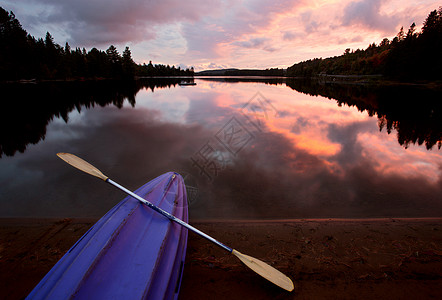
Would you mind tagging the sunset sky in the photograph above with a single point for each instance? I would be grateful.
(211, 34)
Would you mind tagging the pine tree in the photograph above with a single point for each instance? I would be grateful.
(128, 64)
(13, 47)
(431, 22)
(114, 59)
(113, 55)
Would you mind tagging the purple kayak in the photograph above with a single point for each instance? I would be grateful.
(132, 252)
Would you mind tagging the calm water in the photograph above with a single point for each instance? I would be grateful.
(254, 148)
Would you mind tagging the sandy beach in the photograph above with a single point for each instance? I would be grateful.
(326, 259)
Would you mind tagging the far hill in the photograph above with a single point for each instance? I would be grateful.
(242, 72)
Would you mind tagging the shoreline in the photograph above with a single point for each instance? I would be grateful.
(33, 220)
(306, 220)
(385, 258)
(369, 80)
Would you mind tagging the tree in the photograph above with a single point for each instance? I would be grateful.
(431, 22)
(385, 42)
(14, 48)
(411, 34)
(52, 56)
(67, 49)
(66, 61)
(49, 41)
(151, 71)
(400, 36)
(128, 64)
(79, 66)
(114, 59)
(113, 55)
(97, 63)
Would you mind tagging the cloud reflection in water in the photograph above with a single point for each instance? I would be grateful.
(314, 159)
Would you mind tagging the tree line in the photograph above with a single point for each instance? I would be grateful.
(409, 56)
(23, 56)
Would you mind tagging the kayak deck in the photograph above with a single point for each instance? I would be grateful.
(132, 252)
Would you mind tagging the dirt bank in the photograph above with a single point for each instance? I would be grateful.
(326, 259)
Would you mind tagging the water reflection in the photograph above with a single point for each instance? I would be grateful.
(415, 113)
(28, 109)
(310, 159)
(235, 79)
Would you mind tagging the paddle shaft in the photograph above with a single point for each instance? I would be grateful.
(170, 216)
(263, 269)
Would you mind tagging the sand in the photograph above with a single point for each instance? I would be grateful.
(326, 259)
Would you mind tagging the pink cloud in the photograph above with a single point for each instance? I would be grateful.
(239, 25)
(290, 35)
(252, 43)
(368, 14)
(256, 43)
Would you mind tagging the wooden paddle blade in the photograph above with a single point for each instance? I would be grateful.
(82, 165)
(266, 271)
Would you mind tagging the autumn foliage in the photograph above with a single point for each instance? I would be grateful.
(409, 56)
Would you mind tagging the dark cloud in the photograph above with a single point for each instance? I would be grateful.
(290, 35)
(255, 43)
(103, 22)
(355, 39)
(204, 24)
(367, 13)
(300, 123)
(309, 24)
(213, 65)
(51, 188)
(347, 137)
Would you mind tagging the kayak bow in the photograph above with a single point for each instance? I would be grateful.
(132, 252)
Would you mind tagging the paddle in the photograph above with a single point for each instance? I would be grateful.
(256, 265)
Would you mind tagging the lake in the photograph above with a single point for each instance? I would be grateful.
(248, 148)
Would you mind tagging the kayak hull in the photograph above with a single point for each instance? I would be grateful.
(132, 252)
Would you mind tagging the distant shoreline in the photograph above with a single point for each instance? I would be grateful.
(376, 80)
(35, 80)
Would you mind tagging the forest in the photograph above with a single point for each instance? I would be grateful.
(409, 56)
(24, 57)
